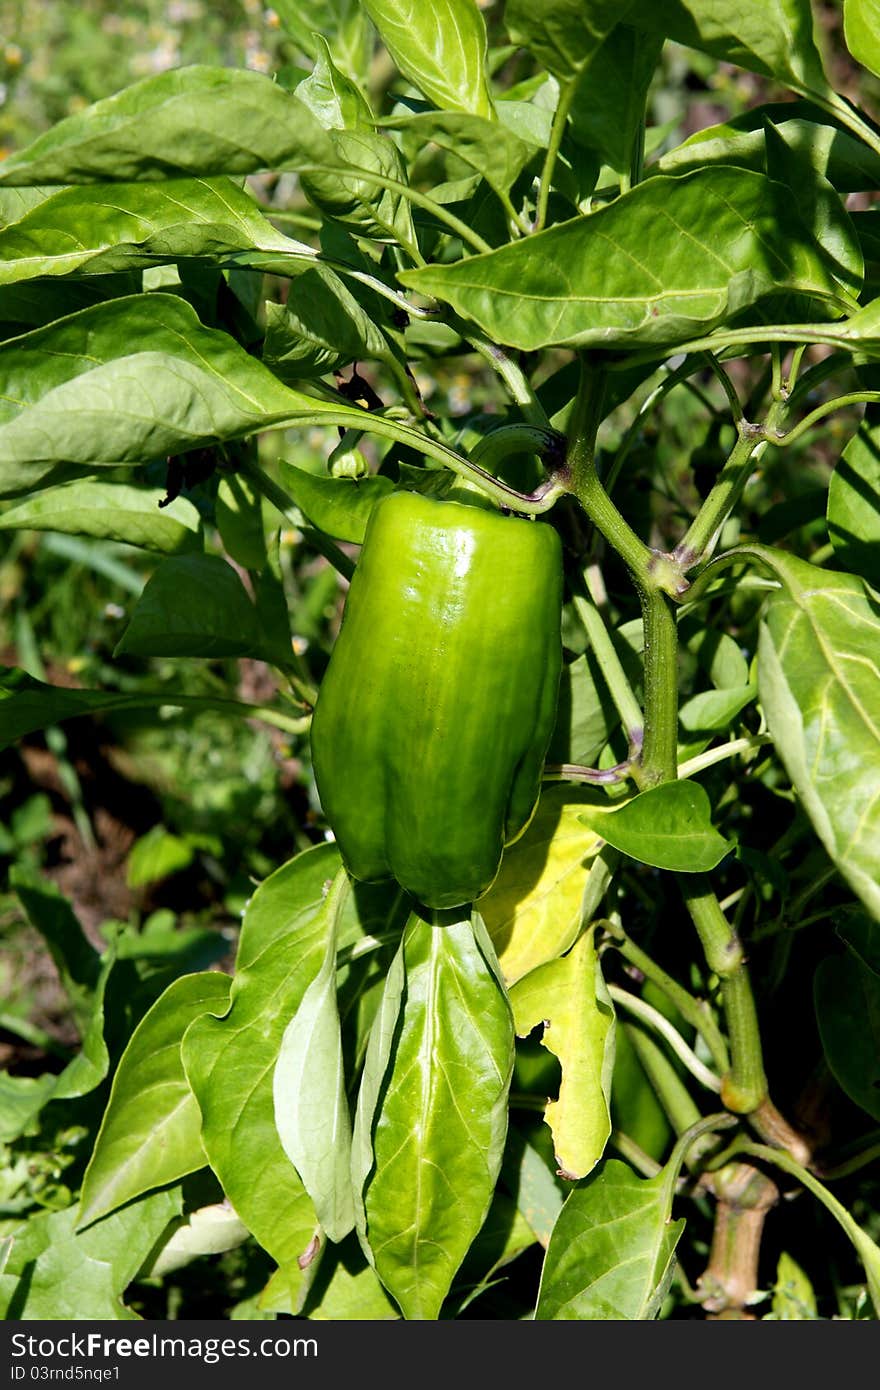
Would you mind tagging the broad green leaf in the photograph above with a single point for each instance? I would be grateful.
(311, 1108)
(345, 191)
(440, 47)
(608, 107)
(570, 998)
(209, 1230)
(238, 512)
(819, 685)
(535, 907)
(494, 152)
(333, 99)
(793, 1296)
(771, 37)
(195, 605)
(187, 121)
(127, 381)
(110, 511)
(538, 1189)
(229, 1061)
(563, 34)
(319, 328)
(16, 202)
(611, 1254)
(55, 1272)
(715, 709)
(339, 506)
(21, 1100)
(34, 303)
(846, 994)
(75, 958)
(672, 258)
(842, 159)
(669, 826)
(854, 503)
(504, 1235)
(432, 1110)
(102, 229)
(149, 1135)
(861, 29)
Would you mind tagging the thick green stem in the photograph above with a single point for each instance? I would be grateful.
(744, 1088)
(659, 759)
(514, 378)
(557, 130)
(722, 497)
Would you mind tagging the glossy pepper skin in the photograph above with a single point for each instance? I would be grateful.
(436, 709)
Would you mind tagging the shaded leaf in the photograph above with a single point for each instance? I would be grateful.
(672, 258)
(339, 506)
(819, 685)
(563, 34)
(209, 1230)
(149, 1135)
(570, 998)
(612, 1250)
(110, 511)
(229, 1061)
(238, 512)
(319, 328)
(497, 154)
(432, 1110)
(854, 503)
(535, 907)
(56, 1272)
(609, 102)
(98, 230)
(846, 994)
(669, 826)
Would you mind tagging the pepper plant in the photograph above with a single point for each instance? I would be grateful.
(453, 268)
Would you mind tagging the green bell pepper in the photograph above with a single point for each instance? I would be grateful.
(436, 709)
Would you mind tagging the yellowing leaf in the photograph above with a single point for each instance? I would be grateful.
(534, 909)
(570, 998)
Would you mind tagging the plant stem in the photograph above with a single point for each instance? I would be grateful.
(693, 549)
(744, 1087)
(659, 757)
(694, 1011)
(557, 130)
(666, 1083)
(634, 1154)
(854, 398)
(721, 752)
(660, 1024)
(518, 385)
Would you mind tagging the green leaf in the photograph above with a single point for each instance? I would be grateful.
(440, 47)
(819, 686)
(194, 605)
(320, 327)
(494, 152)
(585, 716)
(342, 22)
(124, 382)
(563, 34)
(846, 995)
(669, 826)
(187, 121)
(861, 29)
(612, 1250)
(793, 1296)
(538, 1189)
(110, 511)
(771, 37)
(344, 191)
(715, 709)
(346, 1289)
(432, 1110)
(333, 99)
(149, 1135)
(55, 1272)
(859, 933)
(238, 512)
(535, 908)
(339, 506)
(842, 159)
(672, 258)
(210, 1230)
(103, 229)
(311, 1109)
(854, 503)
(570, 998)
(75, 958)
(609, 101)
(229, 1061)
